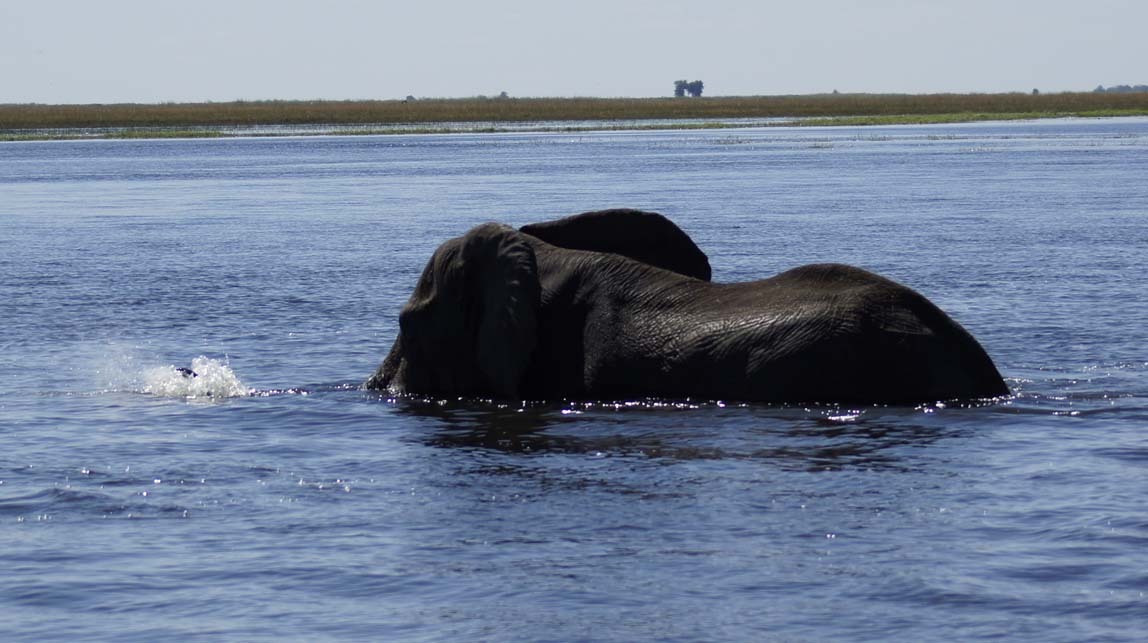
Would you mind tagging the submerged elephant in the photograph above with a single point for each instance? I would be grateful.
(618, 305)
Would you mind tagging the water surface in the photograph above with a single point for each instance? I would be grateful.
(274, 499)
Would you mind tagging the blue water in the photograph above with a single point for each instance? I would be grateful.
(271, 499)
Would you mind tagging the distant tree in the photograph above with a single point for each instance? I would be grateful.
(683, 87)
(1036, 92)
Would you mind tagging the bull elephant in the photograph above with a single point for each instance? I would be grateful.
(618, 305)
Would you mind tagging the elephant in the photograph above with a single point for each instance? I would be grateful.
(645, 236)
(618, 304)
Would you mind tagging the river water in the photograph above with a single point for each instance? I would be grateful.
(272, 499)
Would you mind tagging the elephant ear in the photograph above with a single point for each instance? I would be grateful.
(507, 294)
(643, 236)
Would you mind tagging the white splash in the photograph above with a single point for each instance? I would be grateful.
(207, 378)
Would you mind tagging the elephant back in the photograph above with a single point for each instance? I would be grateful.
(647, 237)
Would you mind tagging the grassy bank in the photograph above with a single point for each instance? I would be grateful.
(374, 116)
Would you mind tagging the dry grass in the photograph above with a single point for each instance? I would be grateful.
(510, 110)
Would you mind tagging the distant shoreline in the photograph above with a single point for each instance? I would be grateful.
(434, 116)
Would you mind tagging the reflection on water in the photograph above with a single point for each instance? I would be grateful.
(793, 438)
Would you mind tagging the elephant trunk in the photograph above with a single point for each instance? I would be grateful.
(384, 375)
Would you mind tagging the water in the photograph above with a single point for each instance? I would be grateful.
(271, 499)
(311, 129)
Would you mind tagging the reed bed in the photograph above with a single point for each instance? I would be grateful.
(882, 107)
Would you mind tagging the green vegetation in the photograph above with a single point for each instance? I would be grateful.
(33, 121)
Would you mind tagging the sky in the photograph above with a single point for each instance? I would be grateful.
(150, 51)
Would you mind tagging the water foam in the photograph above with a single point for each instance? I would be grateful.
(208, 378)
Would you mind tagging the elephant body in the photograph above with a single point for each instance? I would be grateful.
(501, 313)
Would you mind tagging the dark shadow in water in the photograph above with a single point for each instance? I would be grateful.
(823, 438)
(878, 444)
(479, 424)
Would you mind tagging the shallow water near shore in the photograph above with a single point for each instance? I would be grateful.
(271, 498)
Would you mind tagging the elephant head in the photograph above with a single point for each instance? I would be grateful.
(469, 328)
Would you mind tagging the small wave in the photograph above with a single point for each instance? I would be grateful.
(55, 502)
(207, 378)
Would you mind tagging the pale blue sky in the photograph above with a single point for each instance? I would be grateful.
(80, 51)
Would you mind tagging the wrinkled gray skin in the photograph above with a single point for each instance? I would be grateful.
(501, 313)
